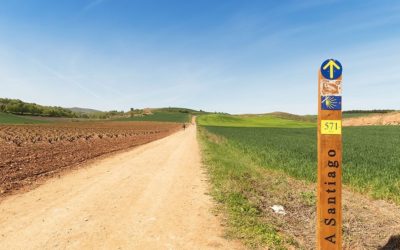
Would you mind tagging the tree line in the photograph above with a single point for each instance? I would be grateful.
(18, 107)
(370, 111)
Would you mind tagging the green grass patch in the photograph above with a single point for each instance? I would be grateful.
(160, 117)
(6, 118)
(371, 162)
(268, 120)
(232, 175)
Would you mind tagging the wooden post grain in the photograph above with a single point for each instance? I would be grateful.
(329, 183)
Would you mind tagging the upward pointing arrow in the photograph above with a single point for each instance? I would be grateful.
(331, 64)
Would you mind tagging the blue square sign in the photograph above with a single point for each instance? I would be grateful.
(331, 102)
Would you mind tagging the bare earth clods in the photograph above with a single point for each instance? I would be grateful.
(31, 153)
(150, 197)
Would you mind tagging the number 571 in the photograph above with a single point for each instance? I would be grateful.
(331, 125)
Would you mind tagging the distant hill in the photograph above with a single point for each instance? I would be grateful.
(159, 116)
(169, 114)
(84, 110)
(21, 108)
(179, 110)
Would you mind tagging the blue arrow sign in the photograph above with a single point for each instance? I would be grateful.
(331, 69)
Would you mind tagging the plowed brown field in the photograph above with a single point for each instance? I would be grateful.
(151, 197)
(31, 153)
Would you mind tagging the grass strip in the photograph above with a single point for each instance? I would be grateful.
(232, 175)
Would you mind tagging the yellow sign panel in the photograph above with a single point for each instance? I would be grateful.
(331, 127)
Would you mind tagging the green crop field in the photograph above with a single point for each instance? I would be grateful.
(6, 118)
(160, 117)
(252, 121)
(371, 162)
(370, 154)
(250, 164)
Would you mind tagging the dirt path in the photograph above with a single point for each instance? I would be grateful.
(152, 197)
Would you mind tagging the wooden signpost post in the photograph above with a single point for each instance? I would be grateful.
(329, 185)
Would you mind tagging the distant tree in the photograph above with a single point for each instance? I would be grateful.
(19, 107)
(369, 111)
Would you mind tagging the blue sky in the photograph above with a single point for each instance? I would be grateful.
(228, 55)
